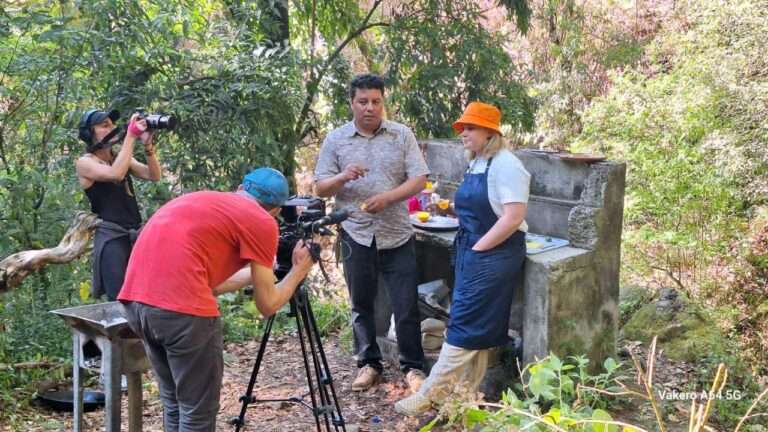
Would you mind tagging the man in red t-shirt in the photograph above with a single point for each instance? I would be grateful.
(189, 247)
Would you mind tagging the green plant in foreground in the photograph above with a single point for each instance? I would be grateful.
(551, 396)
(561, 396)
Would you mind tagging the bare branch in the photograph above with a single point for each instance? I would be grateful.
(18, 266)
(627, 392)
(747, 414)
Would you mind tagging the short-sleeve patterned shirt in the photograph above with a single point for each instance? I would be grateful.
(391, 156)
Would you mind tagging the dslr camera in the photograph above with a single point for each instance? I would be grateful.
(157, 121)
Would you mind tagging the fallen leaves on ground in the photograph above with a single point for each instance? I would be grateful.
(282, 375)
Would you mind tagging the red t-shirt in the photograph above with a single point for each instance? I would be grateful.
(194, 243)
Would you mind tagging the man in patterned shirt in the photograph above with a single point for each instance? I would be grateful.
(372, 166)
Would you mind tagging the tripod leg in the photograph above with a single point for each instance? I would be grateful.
(300, 328)
(247, 398)
(322, 380)
(322, 371)
(327, 379)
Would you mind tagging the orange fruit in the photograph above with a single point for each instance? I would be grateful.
(443, 204)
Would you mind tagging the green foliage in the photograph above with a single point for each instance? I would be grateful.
(243, 96)
(740, 391)
(521, 10)
(557, 393)
(624, 51)
(242, 321)
(238, 103)
(675, 196)
(689, 127)
(238, 117)
(335, 94)
(442, 58)
(333, 20)
(29, 333)
(569, 51)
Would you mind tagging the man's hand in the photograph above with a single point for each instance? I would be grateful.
(377, 203)
(270, 297)
(301, 259)
(353, 172)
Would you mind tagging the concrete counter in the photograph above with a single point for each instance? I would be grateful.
(569, 301)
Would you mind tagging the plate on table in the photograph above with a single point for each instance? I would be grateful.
(436, 223)
(537, 243)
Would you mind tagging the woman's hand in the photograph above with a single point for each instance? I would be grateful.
(147, 137)
(136, 126)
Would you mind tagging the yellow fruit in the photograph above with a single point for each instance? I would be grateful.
(422, 216)
(428, 185)
(443, 204)
(533, 245)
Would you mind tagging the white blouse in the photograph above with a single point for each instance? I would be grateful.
(508, 181)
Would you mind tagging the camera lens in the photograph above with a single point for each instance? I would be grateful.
(161, 121)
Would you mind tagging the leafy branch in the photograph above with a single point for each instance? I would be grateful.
(303, 128)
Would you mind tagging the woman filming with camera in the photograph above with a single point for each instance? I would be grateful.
(106, 178)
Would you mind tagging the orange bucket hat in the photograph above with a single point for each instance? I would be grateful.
(479, 114)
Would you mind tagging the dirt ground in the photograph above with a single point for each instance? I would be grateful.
(281, 376)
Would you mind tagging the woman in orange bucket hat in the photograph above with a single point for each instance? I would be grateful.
(490, 250)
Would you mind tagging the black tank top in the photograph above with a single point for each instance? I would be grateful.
(115, 202)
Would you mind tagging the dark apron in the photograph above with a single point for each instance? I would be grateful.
(112, 245)
(484, 281)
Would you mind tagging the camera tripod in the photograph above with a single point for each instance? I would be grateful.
(324, 401)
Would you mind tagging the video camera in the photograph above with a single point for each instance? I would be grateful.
(302, 217)
(157, 121)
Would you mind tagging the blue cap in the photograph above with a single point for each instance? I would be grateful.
(267, 185)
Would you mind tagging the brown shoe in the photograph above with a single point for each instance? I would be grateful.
(415, 378)
(367, 377)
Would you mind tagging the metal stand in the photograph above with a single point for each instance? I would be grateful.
(328, 405)
(112, 365)
(122, 353)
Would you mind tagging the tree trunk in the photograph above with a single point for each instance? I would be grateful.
(75, 242)
(274, 22)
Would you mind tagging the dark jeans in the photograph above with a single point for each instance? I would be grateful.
(398, 269)
(186, 355)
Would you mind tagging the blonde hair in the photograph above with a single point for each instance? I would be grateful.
(495, 144)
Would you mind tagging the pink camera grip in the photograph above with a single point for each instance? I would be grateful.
(134, 130)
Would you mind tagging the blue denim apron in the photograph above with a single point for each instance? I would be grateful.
(484, 281)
